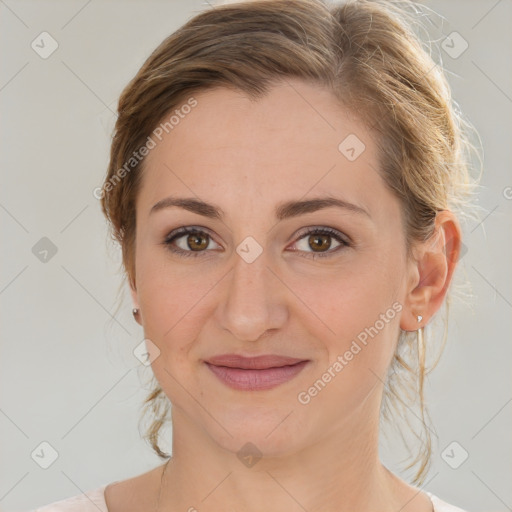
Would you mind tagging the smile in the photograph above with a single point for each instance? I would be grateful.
(254, 374)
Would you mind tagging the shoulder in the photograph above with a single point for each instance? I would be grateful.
(443, 506)
(90, 501)
(133, 494)
(130, 495)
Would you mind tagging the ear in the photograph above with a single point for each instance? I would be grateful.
(432, 271)
(135, 300)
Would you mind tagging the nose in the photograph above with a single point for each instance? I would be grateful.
(253, 300)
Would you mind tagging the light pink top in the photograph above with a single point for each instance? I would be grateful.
(94, 501)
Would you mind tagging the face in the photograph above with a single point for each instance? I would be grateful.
(321, 284)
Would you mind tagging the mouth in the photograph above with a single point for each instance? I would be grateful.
(255, 373)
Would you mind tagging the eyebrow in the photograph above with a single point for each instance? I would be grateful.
(283, 211)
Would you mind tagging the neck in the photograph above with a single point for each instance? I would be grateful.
(340, 471)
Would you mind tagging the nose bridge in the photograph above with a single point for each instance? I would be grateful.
(251, 302)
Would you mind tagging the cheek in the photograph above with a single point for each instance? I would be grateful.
(172, 301)
(172, 321)
(358, 355)
(355, 315)
(342, 304)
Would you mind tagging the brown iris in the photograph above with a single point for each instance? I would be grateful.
(323, 241)
(194, 241)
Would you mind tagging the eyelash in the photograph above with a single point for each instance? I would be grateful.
(312, 231)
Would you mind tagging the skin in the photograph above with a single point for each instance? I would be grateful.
(247, 157)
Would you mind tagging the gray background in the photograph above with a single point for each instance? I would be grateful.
(68, 375)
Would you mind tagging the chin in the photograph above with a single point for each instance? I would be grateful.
(257, 444)
(273, 433)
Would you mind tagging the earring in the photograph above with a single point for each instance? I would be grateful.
(421, 343)
(135, 312)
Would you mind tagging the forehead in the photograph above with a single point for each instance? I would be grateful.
(295, 140)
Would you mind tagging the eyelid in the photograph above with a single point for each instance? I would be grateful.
(335, 233)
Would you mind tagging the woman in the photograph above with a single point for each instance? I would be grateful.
(284, 184)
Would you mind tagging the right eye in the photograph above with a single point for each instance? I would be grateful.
(191, 241)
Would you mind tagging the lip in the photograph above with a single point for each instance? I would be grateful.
(255, 373)
(253, 363)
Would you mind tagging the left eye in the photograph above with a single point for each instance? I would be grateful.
(320, 239)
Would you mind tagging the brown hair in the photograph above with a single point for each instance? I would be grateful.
(367, 54)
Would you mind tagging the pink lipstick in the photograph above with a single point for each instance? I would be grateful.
(255, 373)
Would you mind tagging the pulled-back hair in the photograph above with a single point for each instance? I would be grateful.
(368, 55)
